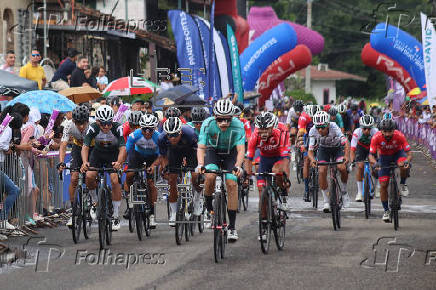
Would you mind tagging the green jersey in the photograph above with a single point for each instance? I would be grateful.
(191, 124)
(212, 136)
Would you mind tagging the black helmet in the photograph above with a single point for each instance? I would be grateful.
(387, 125)
(81, 114)
(354, 107)
(298, 105)
(172, 112)
(265, 120)
(198, 114)
(333, 111)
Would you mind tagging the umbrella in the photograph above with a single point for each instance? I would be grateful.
(164, 102)
(178, 92)
(80, 94)
(191, 99)
(127, 86)
(11, 84)
(45, 101)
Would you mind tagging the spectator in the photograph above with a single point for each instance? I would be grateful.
(148, 107)
(10, 62)
(78, 78)
(137, 105)
(63, 73)
(426, 115)
(91, 81)
(33, 71)
(102, 80)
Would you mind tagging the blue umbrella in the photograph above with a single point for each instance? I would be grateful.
(45, 101)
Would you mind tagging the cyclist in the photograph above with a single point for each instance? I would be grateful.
(391, 146)
(354, 113)
(336, 117)
(292, 123)
(274, 150)
(76, 130)
(222, 145)
(109, 150)
(247, 125)
(342, 109)
(198, 115)
(360, 149)
(331, 143)
(142, 147)
(132, 123)
(304, 126)
(177, 145)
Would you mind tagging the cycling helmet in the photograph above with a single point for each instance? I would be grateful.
(333, 111)
(148, 121)
(366, 121)
(135, 117)
(265, 120)
(342, 108)
(321, 118)
(298, 106)
(312, 110)
(81, 114)
(387, 125)
(354, 107)
(172, 125)
(237, 111)
(104, 113)
(387, 115)
(172, 112)
(198, 114)
(223, 107)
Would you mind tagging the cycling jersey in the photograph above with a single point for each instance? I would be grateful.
(189, 140)
(71, 130)
(247, 128)
(212, 136)
(276, 145)
(144, 146)
(346, 121)
(126, 131)
(304, 122)
(380, 144)
(106, 142)
(354, 117)
(334, 133)
(339, 121)
(191, 124)
(361, 139)
(292, 117)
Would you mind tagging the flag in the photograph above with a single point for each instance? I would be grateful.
(429, 54)
(236, 69)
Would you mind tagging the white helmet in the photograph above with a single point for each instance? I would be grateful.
(135, 117)
(312, 110)
(366, 121)
(223, 107)
(172, 125)
(321, 118)
(104, 113)
(148, 121)
(342, 108)
(265, 120)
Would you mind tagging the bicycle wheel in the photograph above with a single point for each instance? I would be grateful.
(246, 191)
(394, 196)
(200, 219)
(102, 219)
(132, 220)
(224, 225)
(240, 197)
(299, 168)
(366, 195)
(76, 215)
(146, 221)
(217, 228)
(138, 221)
(280, 229)
(314, 190)
(109, 214)
(333, 203)
(180, 225)
(87, 219)
(265, 223)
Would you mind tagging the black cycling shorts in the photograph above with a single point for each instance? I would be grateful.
(330, 154)
(136, 159)
(99, 158)
(76, 156)
(361, 153)
(223, 161)
(175, 157)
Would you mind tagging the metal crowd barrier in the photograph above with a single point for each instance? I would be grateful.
(39, 183)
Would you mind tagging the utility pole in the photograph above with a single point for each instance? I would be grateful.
(309, 25)
(45, 29)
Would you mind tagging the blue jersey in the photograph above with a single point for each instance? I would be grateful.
(189, 140)
(146, 147)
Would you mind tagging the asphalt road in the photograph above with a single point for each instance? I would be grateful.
(362, 254)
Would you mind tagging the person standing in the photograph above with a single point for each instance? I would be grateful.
(78, 78)
(60, 78)
(33, 71)
(102, 80)
(10, 62)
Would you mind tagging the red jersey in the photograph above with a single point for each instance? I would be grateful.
(327, 107)
(276, 145)
(126, 131)
(247, 128)
(304, 121)
(397, 143)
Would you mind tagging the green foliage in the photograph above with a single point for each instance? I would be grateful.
(301, 95)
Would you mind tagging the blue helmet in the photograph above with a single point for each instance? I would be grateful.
(387, 115)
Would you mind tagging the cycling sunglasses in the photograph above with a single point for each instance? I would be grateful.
(173, 135)
(222, 120)
(106, 124)
(321, 126)
(36, 54)
(148, 130)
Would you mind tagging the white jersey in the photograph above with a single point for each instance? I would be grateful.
(361, 139)
(292, 116)
(335, 133)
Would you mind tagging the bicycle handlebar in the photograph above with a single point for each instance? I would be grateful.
(103, 169)
(219, 172)
(330, 163)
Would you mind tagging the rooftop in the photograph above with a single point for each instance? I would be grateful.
(322, 72)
